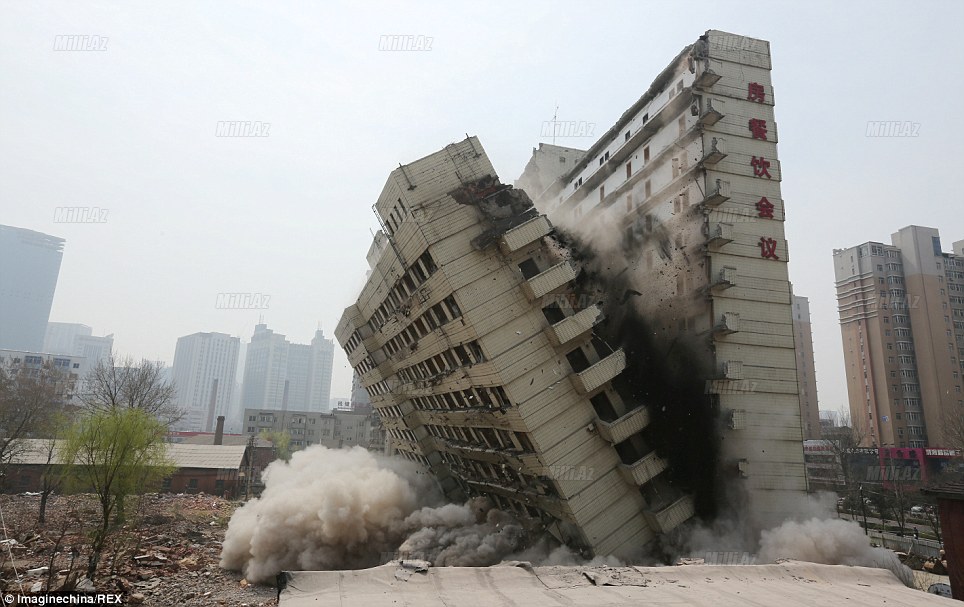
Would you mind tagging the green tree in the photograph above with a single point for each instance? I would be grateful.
(281, 441)
(115, 453)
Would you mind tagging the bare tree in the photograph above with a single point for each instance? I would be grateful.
(123, 383)
(953, 426)
(843, 440)
(52, 472)
(29, 398)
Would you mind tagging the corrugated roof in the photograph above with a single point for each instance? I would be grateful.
(949, 490)
(788, 584)
(33, 451)
(183, 456)
(229, 439)
(206, 456)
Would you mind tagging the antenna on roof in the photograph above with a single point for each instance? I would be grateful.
(555, 114)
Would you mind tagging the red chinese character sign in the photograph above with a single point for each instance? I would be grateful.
(760, 166)
(768, 248)
(764, 208)
(758, 128)
(754, 92)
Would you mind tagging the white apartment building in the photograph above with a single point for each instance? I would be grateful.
(204, 375)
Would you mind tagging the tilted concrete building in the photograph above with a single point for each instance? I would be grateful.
(493, 347)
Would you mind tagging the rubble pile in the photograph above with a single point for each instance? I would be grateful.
(166, 554)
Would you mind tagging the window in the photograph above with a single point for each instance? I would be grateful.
(627, 136)
(646, 154)
(192, 483)
(682, 125)
(629, 170)
(649, 188)
(602, 193)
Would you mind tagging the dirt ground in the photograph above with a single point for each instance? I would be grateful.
(166, 554)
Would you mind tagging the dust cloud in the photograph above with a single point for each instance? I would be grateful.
(350, 509)
(831, 542)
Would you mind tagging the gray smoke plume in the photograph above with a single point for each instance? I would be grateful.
(348, 509)
(831, 542)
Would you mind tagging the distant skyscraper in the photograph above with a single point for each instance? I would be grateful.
(204, 372)
(901, 309)
(284, 376)
(322, 360)
(359, 397)
(265, 370)
(77, 339)
(29, 267)
(806, 377)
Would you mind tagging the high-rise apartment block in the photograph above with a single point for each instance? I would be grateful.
(493, 346)
(901, 309)
(282, 376)
(204, 369)
(29, 267)
(687, 185)
(806, 375)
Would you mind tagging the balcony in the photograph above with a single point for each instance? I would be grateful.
(731, 369)
(725, 279)
(671, 516)
(578, 324)
(619, 430)
(523, 234)
(718, 195)
(720, 234)
(601, 372)
(711, 115)
(643, 470)
(548, 281)
(705, 76)
(728, 323)
(715, 152)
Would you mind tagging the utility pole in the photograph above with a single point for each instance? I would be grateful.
(247, 484)
(863, 508)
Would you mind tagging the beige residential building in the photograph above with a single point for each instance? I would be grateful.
(901, 312)
(806, 375)
(491, 359)
(690, 178)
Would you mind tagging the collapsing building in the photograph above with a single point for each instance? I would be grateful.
(617, 376)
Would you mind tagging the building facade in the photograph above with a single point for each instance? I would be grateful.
(493, 345)
(71, 370)
(204, 373)
(901, 308)
(78, 339)
(335, 430)
(29, 267)
(806, 373)
(688, 183)
(281, 375)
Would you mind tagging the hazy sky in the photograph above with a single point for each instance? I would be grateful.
(131, 129)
